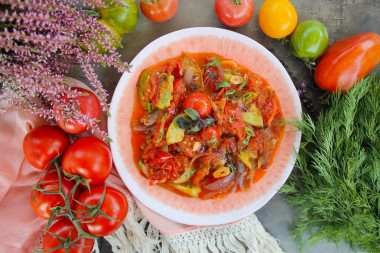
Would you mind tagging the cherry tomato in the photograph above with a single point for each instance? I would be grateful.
(277, 18)
(89, 157)
(122, 18)
(44, 143)
(115, 205)
(210, 133)
(41, 202)
(66, 230)
(89, 106)
(347, 61)
(159, 10)
(199, 102)
(234, 13)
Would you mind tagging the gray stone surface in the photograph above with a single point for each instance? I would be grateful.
(342, 18)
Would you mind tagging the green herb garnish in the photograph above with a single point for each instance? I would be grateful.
(193, 114)
(182, 122)
(249, 133)
(188, 175)
(244, 83)
(212, 140)
(232, 119)
(229, 92)
(336, 188)
(164, 117)
(247, 96)
(215, 62)
(140, 164)
(162, 135)
(223, 85)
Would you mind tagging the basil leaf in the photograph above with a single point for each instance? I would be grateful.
(195, 129)
(182, 122)
(222, 85)
(215, 62)
(212, 140)
(193, 114)
(209, 121)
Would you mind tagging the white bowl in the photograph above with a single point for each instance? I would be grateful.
(245, 52)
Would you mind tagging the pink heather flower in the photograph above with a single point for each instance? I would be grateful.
(40, 41)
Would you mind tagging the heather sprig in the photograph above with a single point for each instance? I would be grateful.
(40, 41)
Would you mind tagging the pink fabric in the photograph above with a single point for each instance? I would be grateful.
(20, 227)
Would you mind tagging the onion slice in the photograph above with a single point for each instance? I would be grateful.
(220, 184)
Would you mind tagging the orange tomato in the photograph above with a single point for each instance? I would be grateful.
(277, 18)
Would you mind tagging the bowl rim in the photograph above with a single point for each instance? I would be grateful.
(158, 207)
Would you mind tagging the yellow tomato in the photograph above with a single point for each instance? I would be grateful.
(277, 18)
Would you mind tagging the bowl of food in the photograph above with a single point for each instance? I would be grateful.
(199, 126)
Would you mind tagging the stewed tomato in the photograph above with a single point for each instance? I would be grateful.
(210, 134)
(199, 102)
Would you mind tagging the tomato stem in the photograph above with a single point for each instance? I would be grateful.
(236, 2)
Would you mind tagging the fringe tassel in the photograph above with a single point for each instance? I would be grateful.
(137, 235)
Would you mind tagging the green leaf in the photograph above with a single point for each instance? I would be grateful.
(249, 131)
(182, 122)
(188, 175)
(195, 129)
(243, 84)
(215, 62)
(222, 85)
(193, 114)
(229, 92)
(212, 140)
(140, 164)
(85, 94)
(162, 135)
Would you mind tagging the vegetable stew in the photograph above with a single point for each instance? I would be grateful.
(204, 126)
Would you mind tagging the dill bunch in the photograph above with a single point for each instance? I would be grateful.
(337, 185)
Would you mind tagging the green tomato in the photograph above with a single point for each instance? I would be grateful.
(309, 41)
(112, 31)
(123, 19)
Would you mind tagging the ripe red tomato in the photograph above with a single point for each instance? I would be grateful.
(199, 102)
(159, 10)
(44, 143)
(89, 106)
(115, 205)
(89, 157)
(234, 13)
(210, 133)
(347, 61)
(66, 230)
(41, 202)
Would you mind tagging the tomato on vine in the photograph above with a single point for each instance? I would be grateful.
(42, 199)
(277, 18)
(63, 237)
(234, 13)
(159, 10)
(44, 143)
(109, 207)
(90, 158)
